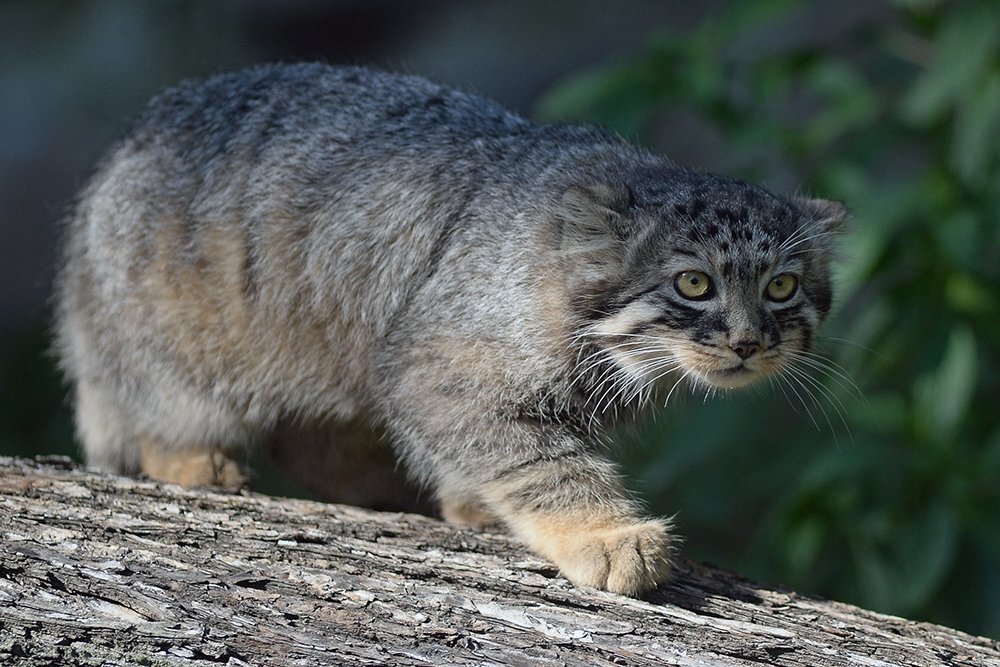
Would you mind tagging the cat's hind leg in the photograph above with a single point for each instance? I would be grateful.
(183, 440)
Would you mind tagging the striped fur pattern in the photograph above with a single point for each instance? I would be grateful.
(327, 261)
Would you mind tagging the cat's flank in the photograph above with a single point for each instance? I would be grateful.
(346, 257)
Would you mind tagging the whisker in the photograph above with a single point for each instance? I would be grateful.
(632, 354)
(776, 381)
(662, 369)
(670, 393)
(613, 388)
(596, 358)
(801, 229)
(835, 402)
(831, 369)
(799, 235)
(805, 405)
(644, 370)
(806, 239)
(844, 341)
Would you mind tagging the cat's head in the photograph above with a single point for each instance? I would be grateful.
(681, 274)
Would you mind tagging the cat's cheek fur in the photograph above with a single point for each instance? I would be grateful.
(622, 337)
(628, 321)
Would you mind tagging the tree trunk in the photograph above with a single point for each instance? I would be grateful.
(103, 570)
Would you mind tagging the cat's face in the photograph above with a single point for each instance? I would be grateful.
(711, 279)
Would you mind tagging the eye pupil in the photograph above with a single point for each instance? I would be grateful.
(782, 287)
(693, 285)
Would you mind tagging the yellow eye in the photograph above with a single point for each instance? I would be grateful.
(693, 285)
(782, 287)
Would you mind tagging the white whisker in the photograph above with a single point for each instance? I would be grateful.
(802, 401)
(679, 380)
(844, 341)
(803, 378)
(831, 369)
(662, 368)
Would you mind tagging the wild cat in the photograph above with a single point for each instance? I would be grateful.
(355, 257)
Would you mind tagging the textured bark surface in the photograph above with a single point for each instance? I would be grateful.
(103, 570)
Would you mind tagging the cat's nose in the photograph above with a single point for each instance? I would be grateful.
(745, 348)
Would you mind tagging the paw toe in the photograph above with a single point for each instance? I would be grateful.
(628, 559)
(639, 559)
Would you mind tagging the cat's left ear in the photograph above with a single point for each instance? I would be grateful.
(825, 218)
(831, 216)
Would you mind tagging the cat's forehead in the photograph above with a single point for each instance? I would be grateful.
(720, 213)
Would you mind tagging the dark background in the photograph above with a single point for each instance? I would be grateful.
(876, 480)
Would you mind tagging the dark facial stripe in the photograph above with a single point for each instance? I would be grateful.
(821, 295)
(621, 301)
(674, 314)
(709, 327)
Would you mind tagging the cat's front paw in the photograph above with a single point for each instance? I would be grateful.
(626, 558)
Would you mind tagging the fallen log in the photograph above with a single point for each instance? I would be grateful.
(103, 570)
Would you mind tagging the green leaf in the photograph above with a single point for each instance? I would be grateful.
(875, 579)
(968, 295)
(943, 397)
(977, 131)
(924, 550)
(965, 49)
(849, 103)
(958, 238)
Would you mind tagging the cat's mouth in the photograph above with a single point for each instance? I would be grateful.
(732, 377)
(741, 369)
(731, 373)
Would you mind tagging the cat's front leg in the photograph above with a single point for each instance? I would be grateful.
(573, 511)
(455, 425)
(561, 497)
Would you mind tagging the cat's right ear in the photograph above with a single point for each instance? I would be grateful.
(591, 217)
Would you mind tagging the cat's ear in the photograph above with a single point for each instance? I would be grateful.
(827, 215)
(825, 219)
(608, 198)
(591, 216)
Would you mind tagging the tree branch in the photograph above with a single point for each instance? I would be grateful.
(105, 570)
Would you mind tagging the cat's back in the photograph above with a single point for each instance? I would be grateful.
(279, 208)
(312, 104)
(294, 151)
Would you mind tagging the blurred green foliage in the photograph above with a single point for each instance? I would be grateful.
(888, 495)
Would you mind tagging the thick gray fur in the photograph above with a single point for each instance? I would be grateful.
(312, 246)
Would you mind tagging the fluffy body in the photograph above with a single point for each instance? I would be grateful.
(344, 257)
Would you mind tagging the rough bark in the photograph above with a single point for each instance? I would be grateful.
(104, 570)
